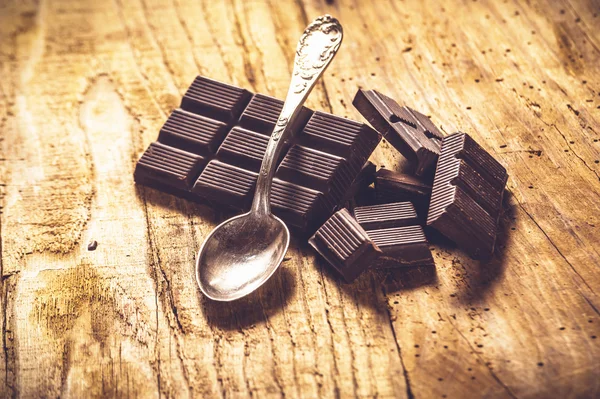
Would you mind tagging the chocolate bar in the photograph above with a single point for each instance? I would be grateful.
(466, 199)
(395, 229)
(211, 149)
(392, 186)
(345, 245)
(379, 236)
(409, 131)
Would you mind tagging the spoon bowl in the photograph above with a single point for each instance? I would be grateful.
(234, 256)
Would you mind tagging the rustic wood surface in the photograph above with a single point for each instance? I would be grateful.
(85, 87)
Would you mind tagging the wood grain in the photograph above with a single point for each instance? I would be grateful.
(85, 87)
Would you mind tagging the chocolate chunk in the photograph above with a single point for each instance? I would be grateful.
(92, 245)
(168, 166)
(217, 100)
(391, 186)
(395, 229)
(467, 195)
(345, 245)
(216, 143)
(402, 246)
(384, 216)
(390, 228)
(409, 131)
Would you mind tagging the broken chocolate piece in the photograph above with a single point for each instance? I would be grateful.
(467, 195)
(391, 186)
(395, 229)
(216, 143)
(409, 131)
(345, 245)
(402, 246)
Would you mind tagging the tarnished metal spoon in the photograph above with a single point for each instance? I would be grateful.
(240, 254)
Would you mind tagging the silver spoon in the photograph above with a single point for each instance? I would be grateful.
(241, 253)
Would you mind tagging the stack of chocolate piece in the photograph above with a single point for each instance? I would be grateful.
(211, 148)
(385, 235)
(454, 184)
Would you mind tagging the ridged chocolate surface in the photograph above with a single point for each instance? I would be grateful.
(386, 215)
(467, 195)
(402, 246)
(409, 131)
(230, 128)
(168, 165)
(244, 148)
(298, 205)
(226, 184)
(397, 236)
(343, 237)
(319, 170)
(345, 245)
(219, 100)
(346, 138)
(262, 112)
(193, 133)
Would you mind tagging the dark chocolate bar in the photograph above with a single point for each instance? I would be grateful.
(345, 245)
(392, 186)
(467, 195)
(409, 131)
(212, 148)
(395, 229)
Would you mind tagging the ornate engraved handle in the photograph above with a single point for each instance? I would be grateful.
(316, 48)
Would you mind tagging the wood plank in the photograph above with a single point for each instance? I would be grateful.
(86, 87)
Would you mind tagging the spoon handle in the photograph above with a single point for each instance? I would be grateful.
(316, 48)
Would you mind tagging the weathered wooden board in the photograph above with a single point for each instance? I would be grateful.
(85, 87)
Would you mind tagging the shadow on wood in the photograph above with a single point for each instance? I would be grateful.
(254, 309)
(409, 278)
(482, 276)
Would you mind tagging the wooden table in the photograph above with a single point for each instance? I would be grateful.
(85, 87)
